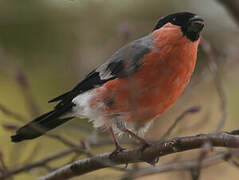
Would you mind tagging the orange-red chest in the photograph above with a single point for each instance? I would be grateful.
(158, 83)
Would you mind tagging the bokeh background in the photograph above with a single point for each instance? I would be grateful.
(48, 46)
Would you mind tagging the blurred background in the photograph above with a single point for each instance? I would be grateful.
(48, 46)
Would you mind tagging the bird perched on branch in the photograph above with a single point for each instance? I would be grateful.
(137, 84)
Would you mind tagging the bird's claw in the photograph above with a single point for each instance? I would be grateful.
(116, 152)
(152, 161)
(155, 161)
(145, 146)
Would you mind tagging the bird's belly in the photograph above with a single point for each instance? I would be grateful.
(144, 96)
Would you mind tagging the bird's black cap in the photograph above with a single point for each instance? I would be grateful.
(191, 24)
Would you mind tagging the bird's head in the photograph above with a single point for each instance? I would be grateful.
(190, 24)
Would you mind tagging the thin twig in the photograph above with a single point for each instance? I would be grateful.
(196, 171)
(33, 154)
(191, 110)
(12, 68)
(23, 83)
(230, 159)
(57, 137)
(12, 114)
(41, 163)
(49, 168)
(30, 166)
(215, 70)
(2, 163)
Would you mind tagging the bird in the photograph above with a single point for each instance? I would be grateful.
(137, 84)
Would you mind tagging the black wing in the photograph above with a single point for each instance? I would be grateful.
(125, 62)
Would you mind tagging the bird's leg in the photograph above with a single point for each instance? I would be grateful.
(145, 145)
(143, 141)
(121, 125)
(118, 148)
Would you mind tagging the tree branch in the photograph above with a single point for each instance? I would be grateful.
(181, 166)
(10, 171)
(233, 8)
(179, 144)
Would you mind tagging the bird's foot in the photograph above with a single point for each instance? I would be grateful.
(145, 146)
(116, 152)
(152, 161)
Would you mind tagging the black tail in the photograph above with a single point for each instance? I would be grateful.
(40, 126)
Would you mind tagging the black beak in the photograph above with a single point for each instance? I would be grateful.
(196, 24)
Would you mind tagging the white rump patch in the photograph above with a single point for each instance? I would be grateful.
(83, 109)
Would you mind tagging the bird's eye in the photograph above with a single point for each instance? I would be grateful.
(174, 19)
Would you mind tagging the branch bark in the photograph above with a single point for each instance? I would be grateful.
(181, 166)
(179, 144)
